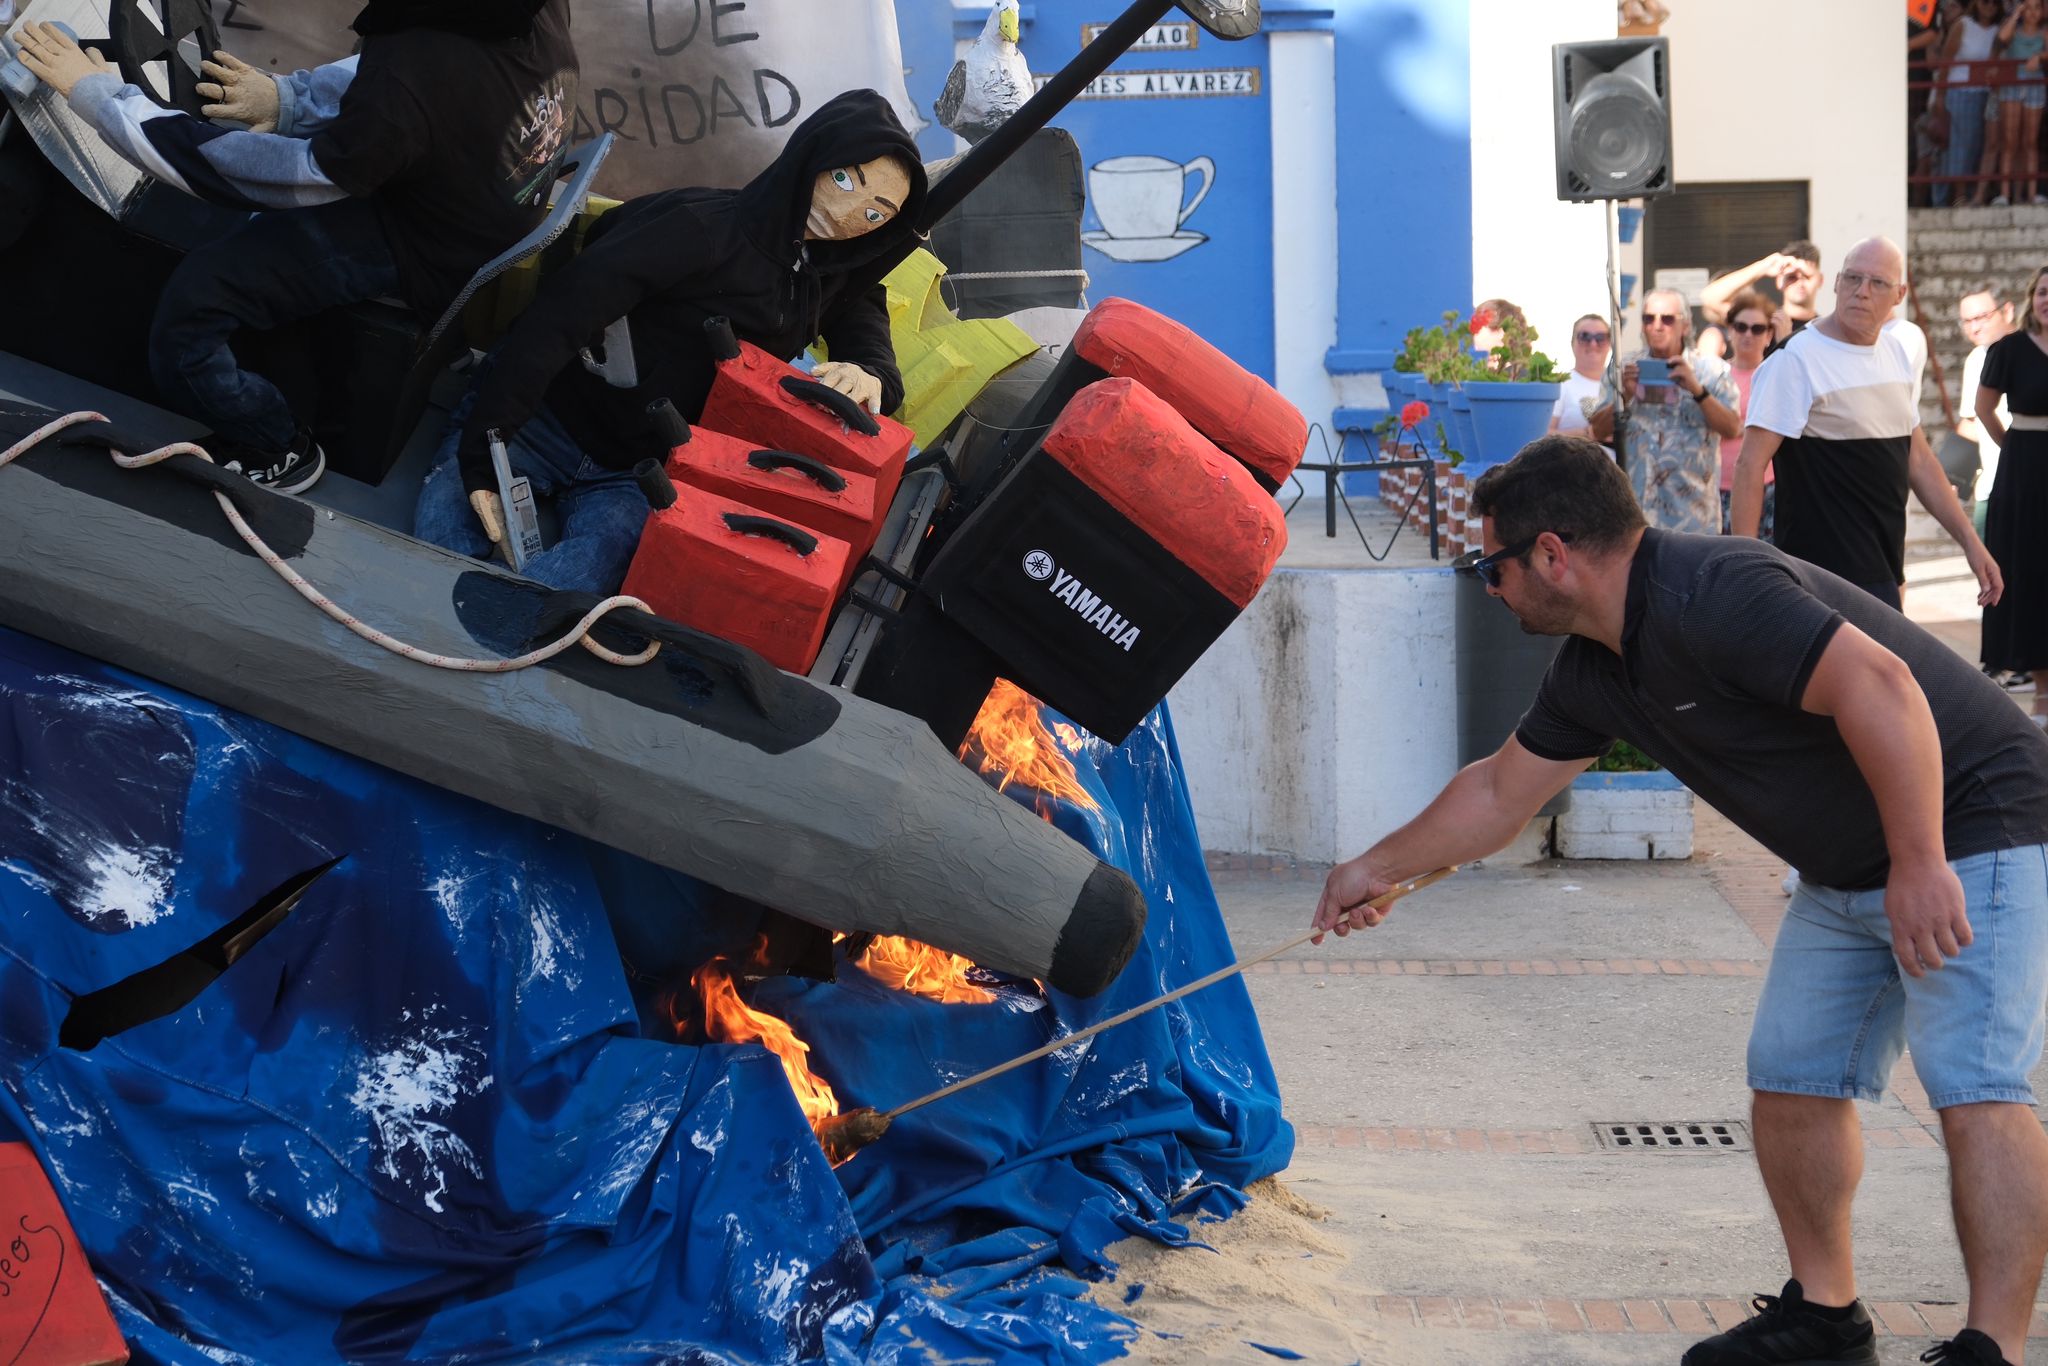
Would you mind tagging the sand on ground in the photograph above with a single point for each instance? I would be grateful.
(1269, 1277)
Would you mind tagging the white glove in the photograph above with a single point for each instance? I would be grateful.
(849, 379)
(240, 93)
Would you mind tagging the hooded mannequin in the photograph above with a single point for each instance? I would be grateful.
(782, 258)
(490, 20)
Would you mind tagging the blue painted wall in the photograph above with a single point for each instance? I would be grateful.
(1404, 166)
(1404, 172)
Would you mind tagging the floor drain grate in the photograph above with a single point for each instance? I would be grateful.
(1672, 1135)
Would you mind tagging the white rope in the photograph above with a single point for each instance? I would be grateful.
(579, 633)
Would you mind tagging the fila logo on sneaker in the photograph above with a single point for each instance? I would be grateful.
(1091, 608)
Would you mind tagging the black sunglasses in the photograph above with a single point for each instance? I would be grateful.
(1592, 338)
(1750, 329)
(1487, 567)
(1668, 319)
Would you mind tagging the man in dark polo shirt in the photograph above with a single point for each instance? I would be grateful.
(1908, 790)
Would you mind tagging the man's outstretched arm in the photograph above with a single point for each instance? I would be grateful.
(1479, 812)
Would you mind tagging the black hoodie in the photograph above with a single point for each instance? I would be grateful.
(668, 261)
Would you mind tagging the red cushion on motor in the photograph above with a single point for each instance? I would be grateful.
(1224, 401)
(756, 590)
(1148, 463)
(781, 485)
(748, 401)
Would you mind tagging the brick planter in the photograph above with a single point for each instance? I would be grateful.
(1626, 815)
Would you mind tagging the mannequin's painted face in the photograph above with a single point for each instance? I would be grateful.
(853, 200)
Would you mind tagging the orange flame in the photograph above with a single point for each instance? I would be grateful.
(728, 1019)
(922, 970)
(1011, 733)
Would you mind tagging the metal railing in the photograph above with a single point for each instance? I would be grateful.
(1969, 162)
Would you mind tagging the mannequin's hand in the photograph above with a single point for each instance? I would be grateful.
(59, 62)
(238, 92)
(490, 510)
(849, 379)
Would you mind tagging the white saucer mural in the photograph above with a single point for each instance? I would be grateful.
(1142, 204)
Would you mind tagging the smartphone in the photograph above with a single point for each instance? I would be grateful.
(1652, 373)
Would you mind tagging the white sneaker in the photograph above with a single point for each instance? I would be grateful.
(1998, 201)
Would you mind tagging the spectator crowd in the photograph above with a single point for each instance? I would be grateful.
(1975, 96)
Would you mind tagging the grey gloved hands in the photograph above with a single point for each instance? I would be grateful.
(849, 379)
(58, 61)
(239, 93)
(490, 510)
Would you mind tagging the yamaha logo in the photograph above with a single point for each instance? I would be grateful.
(1039, 567)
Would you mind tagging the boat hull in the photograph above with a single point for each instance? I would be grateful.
(806, 798)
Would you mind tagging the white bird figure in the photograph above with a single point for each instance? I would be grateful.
(991, 82)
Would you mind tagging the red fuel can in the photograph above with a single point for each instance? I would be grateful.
(738, 572)
(800, 489)
(758, 398)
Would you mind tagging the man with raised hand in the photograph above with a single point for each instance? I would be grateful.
(1794, 271)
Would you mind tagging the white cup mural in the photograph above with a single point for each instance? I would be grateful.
(1142, 203)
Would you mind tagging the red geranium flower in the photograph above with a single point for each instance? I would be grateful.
(1482, 320)
(1413, 412)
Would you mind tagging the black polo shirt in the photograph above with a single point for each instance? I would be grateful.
(1720, 637)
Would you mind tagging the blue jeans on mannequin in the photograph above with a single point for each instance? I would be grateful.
(275, 269)
(601, 510)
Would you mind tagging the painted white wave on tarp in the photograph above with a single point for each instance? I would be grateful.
(402, 1090)
(699, 92)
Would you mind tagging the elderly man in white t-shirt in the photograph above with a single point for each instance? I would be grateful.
(1984, 318)
(1837, 410)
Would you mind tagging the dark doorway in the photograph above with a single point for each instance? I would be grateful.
(1718, 226)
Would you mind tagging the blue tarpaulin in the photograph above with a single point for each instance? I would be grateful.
(430, 1116)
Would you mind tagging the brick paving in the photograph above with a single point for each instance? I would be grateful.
(1706, 1315)
(1381, 1138)
(1509, 967)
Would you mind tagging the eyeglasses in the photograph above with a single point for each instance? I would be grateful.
(1972, 319)
(1750, 329)
(1591, 338)
(1656, 319)
(1854, 280)
(1488, 567)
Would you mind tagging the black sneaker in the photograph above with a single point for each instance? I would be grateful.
(1967, 1348)
(295, 470)
(1785, 1332)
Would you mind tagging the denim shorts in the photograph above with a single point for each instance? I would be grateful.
(1836, 1011)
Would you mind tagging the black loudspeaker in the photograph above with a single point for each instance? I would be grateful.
(1612, 105)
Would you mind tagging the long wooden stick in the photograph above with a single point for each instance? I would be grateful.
(1380, 902)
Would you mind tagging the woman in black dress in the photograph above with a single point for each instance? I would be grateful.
(2016, 520)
